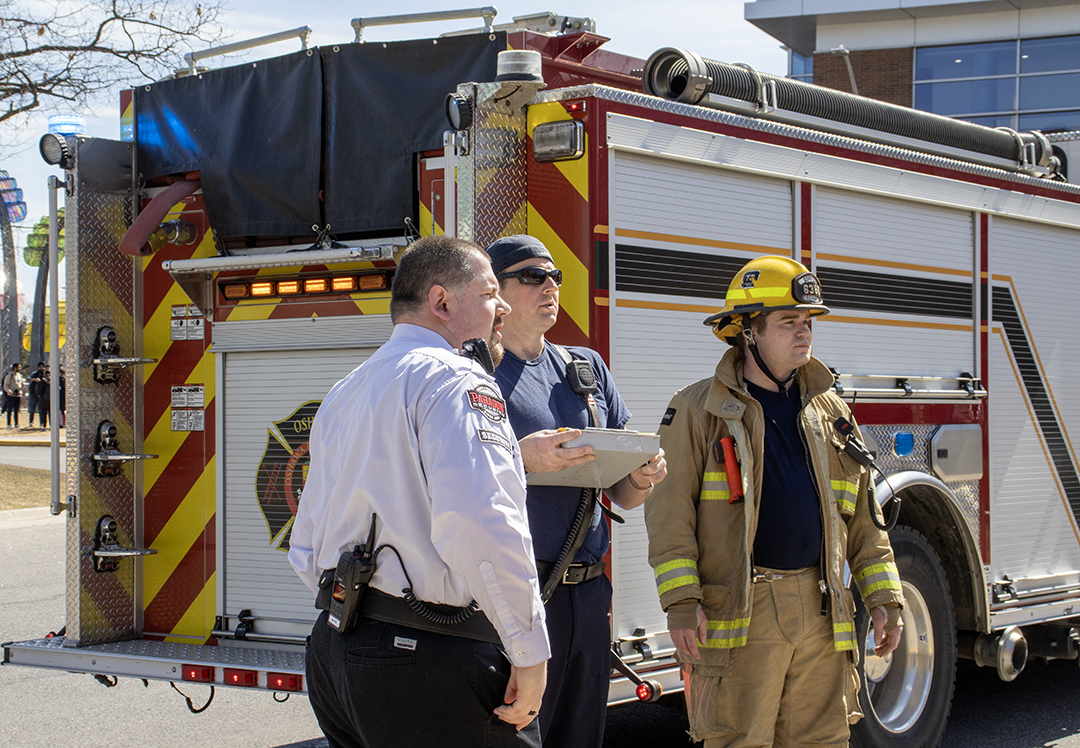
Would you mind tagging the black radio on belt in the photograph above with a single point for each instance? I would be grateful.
(354, 571)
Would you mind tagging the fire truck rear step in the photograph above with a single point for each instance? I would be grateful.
(156, 660)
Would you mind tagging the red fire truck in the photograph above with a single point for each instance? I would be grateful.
(229, 259)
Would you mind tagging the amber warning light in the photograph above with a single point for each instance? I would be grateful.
(304, 287)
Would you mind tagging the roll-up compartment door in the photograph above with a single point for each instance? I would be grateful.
(679, 232)
(899, 277)
(270, 400)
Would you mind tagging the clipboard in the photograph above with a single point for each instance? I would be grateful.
(618, 453)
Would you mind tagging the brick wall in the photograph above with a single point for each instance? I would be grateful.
(883, 74)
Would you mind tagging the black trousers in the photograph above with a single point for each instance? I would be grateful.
(385, 685)
(579, 671)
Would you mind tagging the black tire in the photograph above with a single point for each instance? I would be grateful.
(906, 701)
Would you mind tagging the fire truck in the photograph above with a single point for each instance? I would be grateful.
(229, 259)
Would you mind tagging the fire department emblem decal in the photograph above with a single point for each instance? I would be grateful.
(282, 470)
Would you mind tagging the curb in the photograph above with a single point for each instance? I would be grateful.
(28, 442)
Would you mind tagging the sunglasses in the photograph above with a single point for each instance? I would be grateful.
(534, 276)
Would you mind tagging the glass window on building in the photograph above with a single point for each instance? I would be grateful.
(1025, 84)
(1045, 55)
(965, 61)
(953, 98)
(800, 67)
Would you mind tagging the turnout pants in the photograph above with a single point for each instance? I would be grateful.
(386, 685)
(787, 687)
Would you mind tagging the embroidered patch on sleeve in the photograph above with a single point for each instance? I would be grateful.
(669, 416)
(494, 437)
(487, 401)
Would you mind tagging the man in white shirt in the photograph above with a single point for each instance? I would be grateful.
(418, 436)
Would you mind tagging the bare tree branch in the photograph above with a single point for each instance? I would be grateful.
(62, 52)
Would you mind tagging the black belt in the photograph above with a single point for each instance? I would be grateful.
(575, 573)
(379, 606)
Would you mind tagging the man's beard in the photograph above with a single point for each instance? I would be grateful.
(495, 347)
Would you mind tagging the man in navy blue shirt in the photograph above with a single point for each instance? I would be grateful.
(539, 399)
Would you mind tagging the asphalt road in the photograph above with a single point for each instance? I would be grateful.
(46, 708)
(43, 709)
(31, 457)
(1040, 709)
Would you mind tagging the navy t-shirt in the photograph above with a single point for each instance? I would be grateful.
(538, 397)
(789, 513)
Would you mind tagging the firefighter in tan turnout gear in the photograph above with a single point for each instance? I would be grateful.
(749, 533)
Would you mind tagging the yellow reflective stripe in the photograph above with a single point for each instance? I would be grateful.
(673, 574)
(877, 577)
(842, 490)
(846, 486)
(727, 634)
(679, 563)
(714, 487)
(843, 636)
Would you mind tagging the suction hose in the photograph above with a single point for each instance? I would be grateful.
(680, 75)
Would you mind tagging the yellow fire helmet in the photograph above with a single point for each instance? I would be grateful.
(766, 284)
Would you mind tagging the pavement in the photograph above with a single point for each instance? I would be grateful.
(28, 436)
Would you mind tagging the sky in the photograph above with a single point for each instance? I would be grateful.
(714, 29)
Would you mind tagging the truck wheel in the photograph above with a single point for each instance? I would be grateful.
(906, 696)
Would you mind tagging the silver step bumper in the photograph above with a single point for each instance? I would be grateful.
(157, 660)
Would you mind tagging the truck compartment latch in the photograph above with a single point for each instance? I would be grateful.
(108, 363)
(107, 457)
(107, 550)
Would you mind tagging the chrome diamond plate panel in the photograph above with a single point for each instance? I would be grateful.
(101, 291)
(966, 492)
(492, 177)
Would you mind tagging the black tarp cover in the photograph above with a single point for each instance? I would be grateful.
(253, 131)
(259, 133)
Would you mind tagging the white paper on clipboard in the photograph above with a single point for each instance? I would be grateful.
(618, 453)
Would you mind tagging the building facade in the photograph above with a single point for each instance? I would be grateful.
(1001, 63)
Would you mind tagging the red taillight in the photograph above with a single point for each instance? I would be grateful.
(645, 691)
(197, 673)
(237, 677)
(284, 682)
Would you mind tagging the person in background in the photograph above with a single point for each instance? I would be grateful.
(37, 389)
(13, 384)
(61, 391)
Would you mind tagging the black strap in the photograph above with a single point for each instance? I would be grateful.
(590, 401)
(381, 606)
(580, 526)
(575, 573)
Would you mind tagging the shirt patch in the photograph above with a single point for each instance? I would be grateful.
(488, 402)
(402, 643)
(494, 437)
(669, 416)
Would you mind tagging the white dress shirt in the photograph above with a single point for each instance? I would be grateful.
(418, 434)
